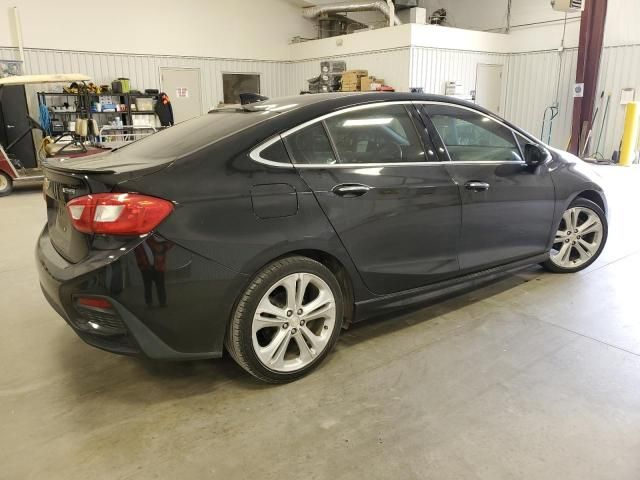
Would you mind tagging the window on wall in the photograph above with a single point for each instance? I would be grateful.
(233, 84)
(471, 136)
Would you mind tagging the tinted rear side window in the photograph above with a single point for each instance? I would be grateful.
(275, 153)
(311, 145)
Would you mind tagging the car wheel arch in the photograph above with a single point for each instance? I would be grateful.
(593, 196)
(342, 275)
(336, 267)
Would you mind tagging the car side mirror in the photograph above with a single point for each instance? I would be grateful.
(535, 155)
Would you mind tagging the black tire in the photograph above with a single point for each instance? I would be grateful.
(584, 203)
(6, 184)
(239, 341)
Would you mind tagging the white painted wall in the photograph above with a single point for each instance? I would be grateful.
(623, 23)
(241, 29)
(491, 15)
(368, 41)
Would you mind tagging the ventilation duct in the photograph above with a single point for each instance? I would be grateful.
(379, 5)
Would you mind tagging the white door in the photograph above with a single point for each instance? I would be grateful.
(182, 85)
(489, 87)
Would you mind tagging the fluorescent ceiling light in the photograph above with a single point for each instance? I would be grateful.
(367, 121)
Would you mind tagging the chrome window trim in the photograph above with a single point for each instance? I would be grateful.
(255, 153)
(464, 107)
(402, 164)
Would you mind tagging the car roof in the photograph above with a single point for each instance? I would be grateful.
(296, 109)
(347, 99)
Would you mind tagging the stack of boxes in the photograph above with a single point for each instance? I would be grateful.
(352, 80)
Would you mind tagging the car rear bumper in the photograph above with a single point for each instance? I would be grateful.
(179, 314)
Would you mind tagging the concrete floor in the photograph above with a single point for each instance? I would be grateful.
(533, 377)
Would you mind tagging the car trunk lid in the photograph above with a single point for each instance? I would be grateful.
(69, 178)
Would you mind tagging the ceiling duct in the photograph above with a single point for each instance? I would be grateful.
(333, 8)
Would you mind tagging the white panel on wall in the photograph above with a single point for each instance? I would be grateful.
(531, 87)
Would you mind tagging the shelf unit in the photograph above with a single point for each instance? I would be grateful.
(83, 103)
(112, 136)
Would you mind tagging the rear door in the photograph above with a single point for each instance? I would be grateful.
(507, 207)
(377, 177)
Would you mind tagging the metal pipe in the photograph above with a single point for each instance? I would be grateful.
(392, 12)
(379, 5)
(16, 17)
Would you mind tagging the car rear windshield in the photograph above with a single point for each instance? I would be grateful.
(192, 135)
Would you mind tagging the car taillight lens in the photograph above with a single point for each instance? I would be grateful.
(94, 302)
(118, 213)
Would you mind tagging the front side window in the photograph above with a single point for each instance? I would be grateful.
(381, 134)
(473, 137)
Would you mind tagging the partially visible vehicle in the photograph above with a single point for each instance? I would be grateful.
(11, 169)
(268, 228)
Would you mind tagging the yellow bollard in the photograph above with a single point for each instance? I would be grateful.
(630, 138)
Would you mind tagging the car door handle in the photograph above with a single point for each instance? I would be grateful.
(350, 189)
(11, 126)
(477, 186)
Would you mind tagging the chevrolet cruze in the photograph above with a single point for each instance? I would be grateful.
(265, 230)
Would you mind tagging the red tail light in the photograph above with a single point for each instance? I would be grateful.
(94, 302)
(118, 213)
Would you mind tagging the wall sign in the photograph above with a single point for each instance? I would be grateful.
(182, 92)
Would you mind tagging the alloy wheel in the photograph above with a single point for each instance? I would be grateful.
(293, 322)
(578, 238)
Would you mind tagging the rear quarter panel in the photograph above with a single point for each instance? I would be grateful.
(215, 216)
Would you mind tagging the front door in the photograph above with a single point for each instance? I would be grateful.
(507, 207)
(182, 85)
(375, 174)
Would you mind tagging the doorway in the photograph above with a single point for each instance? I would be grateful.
(183, 87)
(489, 87)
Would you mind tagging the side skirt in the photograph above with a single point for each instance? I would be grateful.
(388, 303)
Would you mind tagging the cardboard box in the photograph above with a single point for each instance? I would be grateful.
(357, 73)
(370, 83)
(353, 76)
(350, 87)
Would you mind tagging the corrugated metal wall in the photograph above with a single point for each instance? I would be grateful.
(620, 68)
(391, 65)
(532, 82)
(529, 86)
(143, 70)
(431, 68)
(278, 78)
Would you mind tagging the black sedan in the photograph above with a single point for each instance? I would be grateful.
(265, 230)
